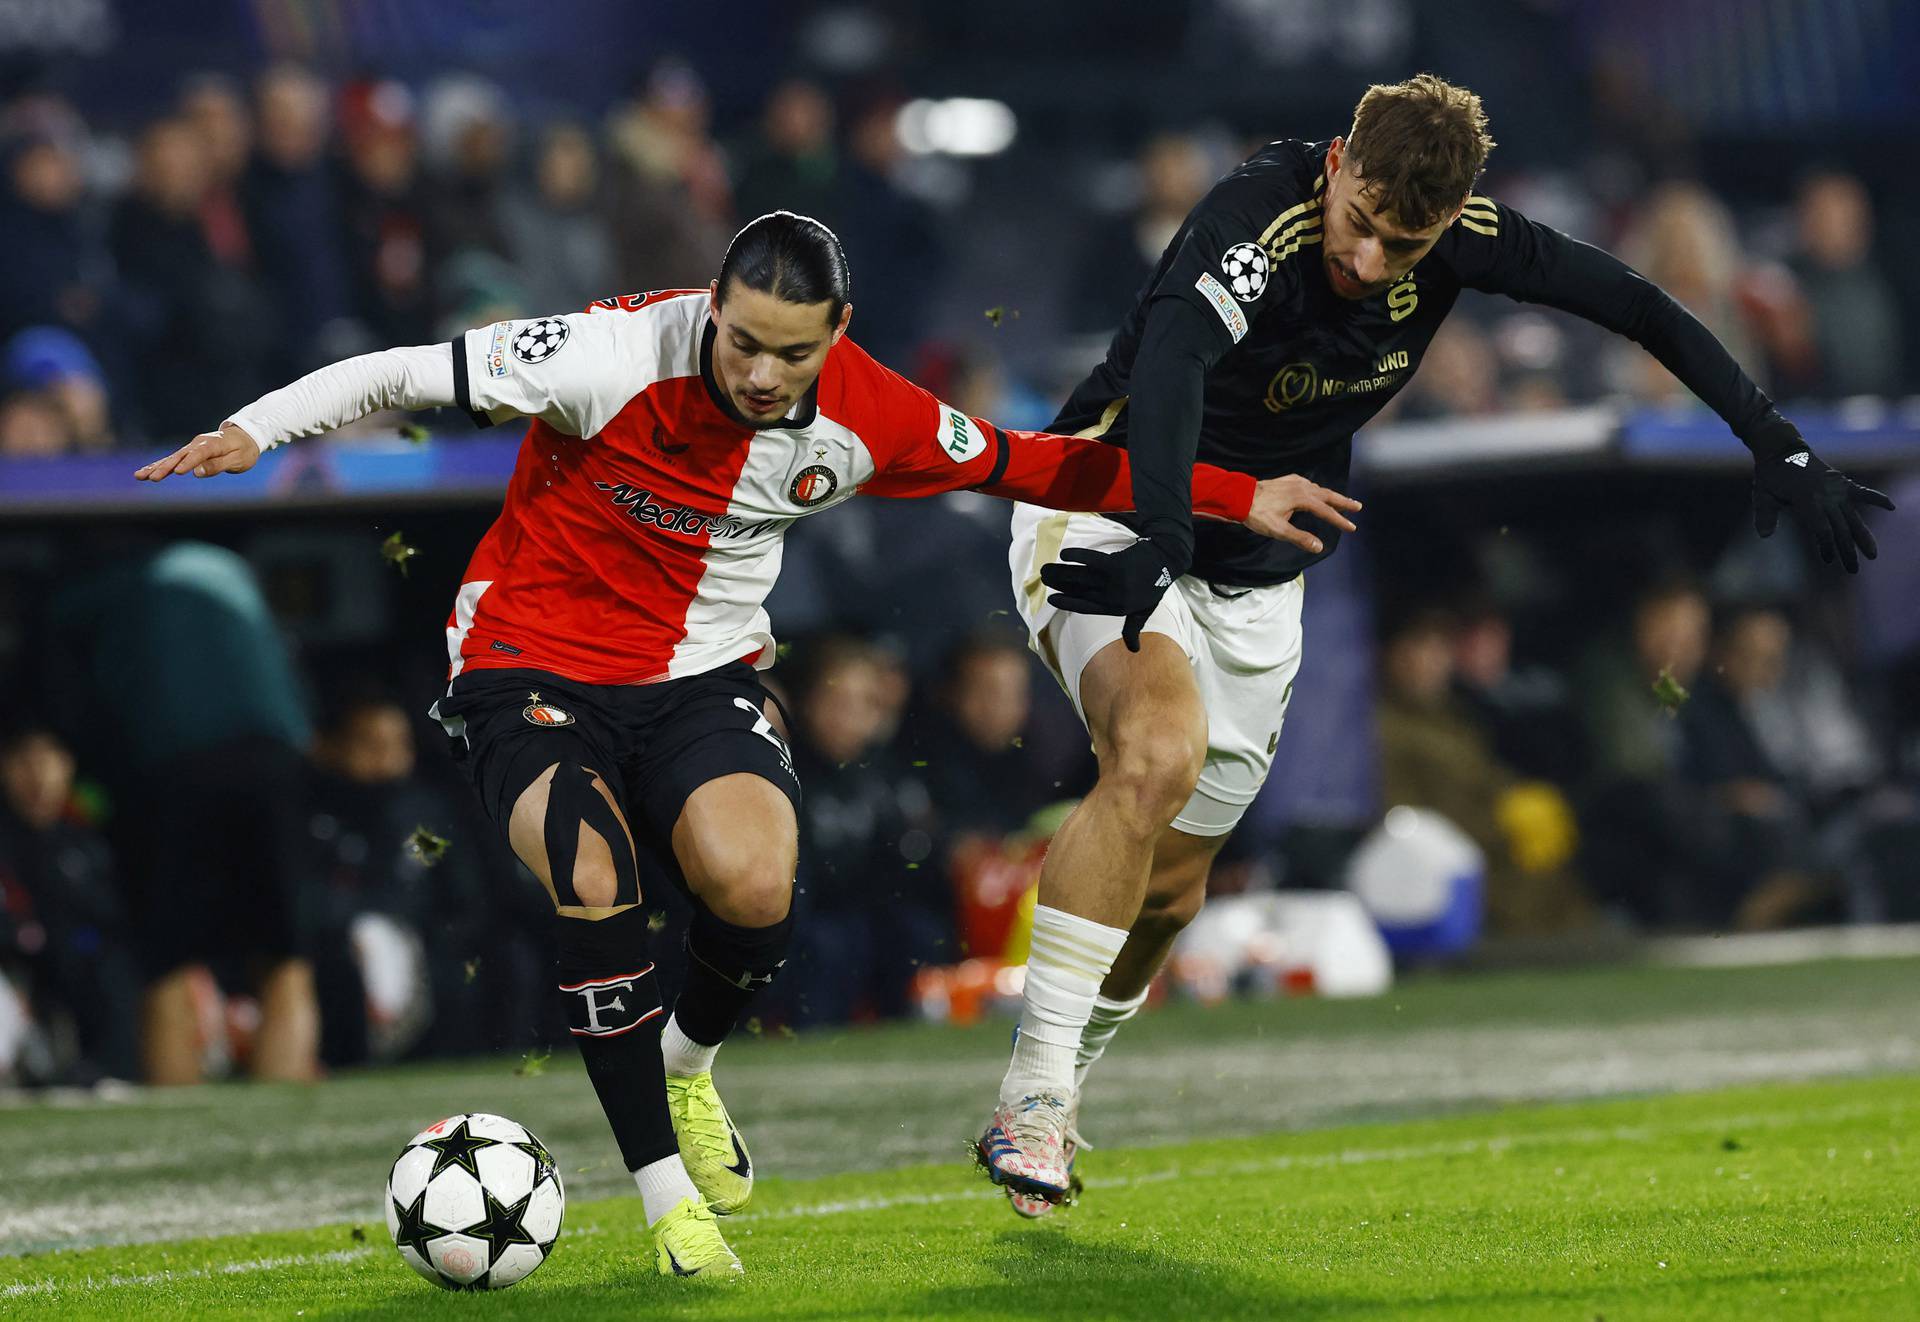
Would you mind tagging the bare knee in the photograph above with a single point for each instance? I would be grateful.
(603, 846)
(737, 842)
(594, 880)
(1152, 770)
(752, 887)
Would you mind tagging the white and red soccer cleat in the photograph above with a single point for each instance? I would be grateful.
(1025, 1147)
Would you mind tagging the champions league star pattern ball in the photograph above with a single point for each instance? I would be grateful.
(474, 1202)
(1245, 266)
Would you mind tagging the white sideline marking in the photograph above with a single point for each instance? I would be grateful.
(1492, 1145)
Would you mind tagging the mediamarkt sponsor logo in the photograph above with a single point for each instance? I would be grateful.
(640, 506)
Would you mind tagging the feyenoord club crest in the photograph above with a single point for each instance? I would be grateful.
(815, 483)
(544, 713)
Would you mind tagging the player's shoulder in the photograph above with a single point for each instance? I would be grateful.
(853, 381)
(1475, 236)
(662, 301)
(661, 326)
(1269, 205)
(1285, 177)
(864, 395)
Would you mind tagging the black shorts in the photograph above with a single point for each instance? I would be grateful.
(653, 744)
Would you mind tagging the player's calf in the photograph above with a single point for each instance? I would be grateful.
(727, 966)
(613, 1005)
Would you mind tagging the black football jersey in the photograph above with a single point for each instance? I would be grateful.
(1304, 369)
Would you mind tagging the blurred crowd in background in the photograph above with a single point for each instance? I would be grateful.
(1697, 747)
(158, 273)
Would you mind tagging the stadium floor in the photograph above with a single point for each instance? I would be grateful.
(1495, 1209)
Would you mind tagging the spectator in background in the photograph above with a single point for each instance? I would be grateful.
(1433, 756)
(870, 907)
(62, 923)
(469, 139)
(892, 239)
(1684, 241)
(171, 670)
(1458, 375)
(294, 216)
(31, 426)
(557, 229)
(1526, 711)
(792, 165)
(1174, 172)
(1645, 853)
(1855, 319)
(981, 781)
(400, 919)
(53, 266)
(1763, 859)
(201, 329)
(53, 368)
(213, 106)
(388, 255)
(672, 204)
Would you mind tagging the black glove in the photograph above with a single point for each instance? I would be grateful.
(1824, 500)
(1129, 583)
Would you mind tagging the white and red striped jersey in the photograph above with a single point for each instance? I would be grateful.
(643, 524)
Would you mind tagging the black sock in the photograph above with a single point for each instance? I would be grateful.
(613, 1008)
(726, 968)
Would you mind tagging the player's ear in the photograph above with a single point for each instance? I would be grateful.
(713, 298)
(1335, 151)
(846, 317)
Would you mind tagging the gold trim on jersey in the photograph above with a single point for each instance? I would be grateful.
(1481, 216)
(1048, 539)
(1099, 428)
(1295, 227)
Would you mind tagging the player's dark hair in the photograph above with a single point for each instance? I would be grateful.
(1419, 145)
(794, 258)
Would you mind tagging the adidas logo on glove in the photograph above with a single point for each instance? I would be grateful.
(1165, 580)
(1800, 460)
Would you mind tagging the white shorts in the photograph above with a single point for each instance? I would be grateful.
(1244, 648)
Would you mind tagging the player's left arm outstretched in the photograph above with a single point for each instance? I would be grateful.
(1496, 249)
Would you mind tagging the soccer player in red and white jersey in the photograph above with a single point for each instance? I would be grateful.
(605, 644)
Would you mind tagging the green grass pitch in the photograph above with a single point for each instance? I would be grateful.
(1409, 1194)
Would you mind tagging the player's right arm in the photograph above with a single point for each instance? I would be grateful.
(1223, 274)
(1220, 279)
(552, 368)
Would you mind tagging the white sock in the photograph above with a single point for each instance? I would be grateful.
(683, 1055)
(1069, 960)
(663, 1184)
(1105, 1021)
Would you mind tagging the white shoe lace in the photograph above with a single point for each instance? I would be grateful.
(1039, 1121)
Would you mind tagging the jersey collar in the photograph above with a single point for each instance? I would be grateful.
(799, 417)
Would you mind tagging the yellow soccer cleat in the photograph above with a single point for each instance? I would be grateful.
(687, 1242)
(715, 1157)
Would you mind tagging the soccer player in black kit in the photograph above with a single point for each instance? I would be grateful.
(1294, 302)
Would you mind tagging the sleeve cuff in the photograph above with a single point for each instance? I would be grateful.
(462, 389)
